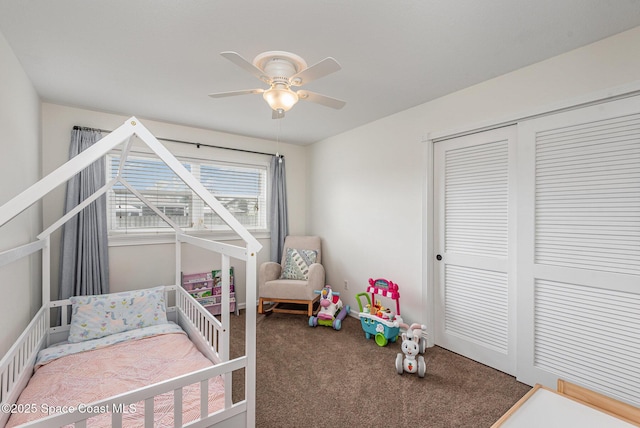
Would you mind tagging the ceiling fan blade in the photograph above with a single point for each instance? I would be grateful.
(321, 99)
(233, 93)
(277, 114)
(316, 71)
(239, 60)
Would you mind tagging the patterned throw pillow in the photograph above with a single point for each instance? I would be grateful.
(93, 317)
(297, 262)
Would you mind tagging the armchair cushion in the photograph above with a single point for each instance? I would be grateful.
(297, 262)
(301, 260)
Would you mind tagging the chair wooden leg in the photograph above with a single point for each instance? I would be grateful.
(276, 302)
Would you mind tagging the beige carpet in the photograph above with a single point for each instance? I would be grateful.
(320, 377)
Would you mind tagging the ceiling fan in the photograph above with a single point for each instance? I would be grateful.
(282, 70)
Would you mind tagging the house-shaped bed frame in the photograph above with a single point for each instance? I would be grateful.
(208, 334)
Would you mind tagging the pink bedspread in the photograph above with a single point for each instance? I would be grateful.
(83, 378)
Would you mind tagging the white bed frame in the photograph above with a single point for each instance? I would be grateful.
(208, 334)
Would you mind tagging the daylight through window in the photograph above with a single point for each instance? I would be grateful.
(240, 188)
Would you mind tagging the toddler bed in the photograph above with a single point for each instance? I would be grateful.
(153, 357)
(115, 347)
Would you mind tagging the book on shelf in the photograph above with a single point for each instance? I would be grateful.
(206, 288)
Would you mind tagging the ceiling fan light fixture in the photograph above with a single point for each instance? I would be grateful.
(280, 97)
(282, 70)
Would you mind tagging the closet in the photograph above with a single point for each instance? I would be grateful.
(475, 197)
(540, 258)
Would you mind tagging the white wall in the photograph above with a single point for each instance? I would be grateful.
(141, 266)
(19, 168)
(366, 186)
(364, 189)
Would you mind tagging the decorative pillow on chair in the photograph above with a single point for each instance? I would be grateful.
(297, 262)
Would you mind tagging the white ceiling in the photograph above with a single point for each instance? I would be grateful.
(158, 59)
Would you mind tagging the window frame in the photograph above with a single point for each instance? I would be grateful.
(166, 235)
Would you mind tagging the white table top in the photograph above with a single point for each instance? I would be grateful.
(548, 409)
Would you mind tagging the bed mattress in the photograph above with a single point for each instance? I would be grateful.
(72, 382)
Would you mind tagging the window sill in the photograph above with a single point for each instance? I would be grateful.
(130, 239)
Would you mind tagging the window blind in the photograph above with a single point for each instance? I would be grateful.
(240, 188)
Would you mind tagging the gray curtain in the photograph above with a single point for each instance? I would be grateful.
(278, 219)
(84, 260)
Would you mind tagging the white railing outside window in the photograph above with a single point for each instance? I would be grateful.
(241, 188)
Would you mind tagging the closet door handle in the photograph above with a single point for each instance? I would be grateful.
(438, 257)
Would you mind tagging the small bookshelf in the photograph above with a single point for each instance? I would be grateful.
(206, 288)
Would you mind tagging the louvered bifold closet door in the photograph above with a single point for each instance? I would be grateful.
(473, 197)
(582, 299)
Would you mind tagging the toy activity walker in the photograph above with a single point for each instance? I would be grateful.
(332, 311)
(413, 344)
(376, 320)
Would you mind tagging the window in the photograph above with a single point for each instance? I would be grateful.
(241, 188)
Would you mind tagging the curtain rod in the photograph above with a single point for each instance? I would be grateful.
(189, 142)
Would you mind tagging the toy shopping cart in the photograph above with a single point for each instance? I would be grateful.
(377, 321)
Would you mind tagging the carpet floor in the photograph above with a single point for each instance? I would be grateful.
(321, 377)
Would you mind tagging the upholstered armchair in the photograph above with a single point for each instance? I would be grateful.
(293, 281)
